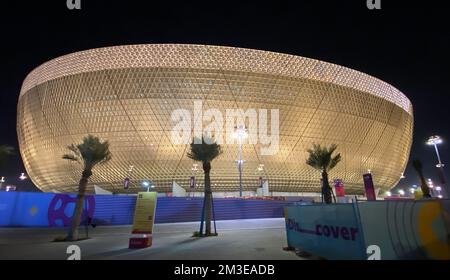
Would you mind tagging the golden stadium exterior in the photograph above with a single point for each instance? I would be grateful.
(126, 95)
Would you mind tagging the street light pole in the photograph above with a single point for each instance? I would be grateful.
(240, 169)
(435, 140)
(438, 156)
(240, 164)
(241, 133)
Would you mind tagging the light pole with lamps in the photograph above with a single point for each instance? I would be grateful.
(23, 176)
(434, 141)
(241, 134)
(147, 184)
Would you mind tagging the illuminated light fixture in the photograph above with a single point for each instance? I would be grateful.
(195, 167)
(22, 176)
(10, 188)
(401, 192)
(434, 141)
(261, 167)
(148, 185)
(388, 193)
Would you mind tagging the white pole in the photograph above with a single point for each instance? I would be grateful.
(437, 154)
(240, 166)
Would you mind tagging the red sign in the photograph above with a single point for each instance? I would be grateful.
(140, 242)
(368, 186)
(339, 187)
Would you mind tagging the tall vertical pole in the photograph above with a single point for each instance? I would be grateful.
(440, 166)
(437, 153)
(240, 167)
(241, 134)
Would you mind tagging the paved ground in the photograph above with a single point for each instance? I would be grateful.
(256, 239)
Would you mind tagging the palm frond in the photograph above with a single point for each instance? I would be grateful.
(90, 152)
(334, 161)
(5, 152)
(204, 152)
(70, 157)
(321, 158)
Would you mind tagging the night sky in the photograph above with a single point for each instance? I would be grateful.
(405, 44)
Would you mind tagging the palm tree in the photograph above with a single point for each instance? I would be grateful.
(417, 164)
(5, 151)
(205, 153)
(321, 159)
(89, 153)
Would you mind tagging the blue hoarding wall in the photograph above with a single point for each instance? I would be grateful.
(19, 209)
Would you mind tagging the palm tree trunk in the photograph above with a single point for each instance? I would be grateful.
(423, 185)
(326, 189)
(208, 196)
(76, 217)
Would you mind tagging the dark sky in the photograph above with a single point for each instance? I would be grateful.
(405, 43)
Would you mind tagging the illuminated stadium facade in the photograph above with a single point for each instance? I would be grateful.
(126, 95)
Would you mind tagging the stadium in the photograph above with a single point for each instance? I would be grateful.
(127, 95)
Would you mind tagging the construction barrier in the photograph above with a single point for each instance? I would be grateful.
(384, 230)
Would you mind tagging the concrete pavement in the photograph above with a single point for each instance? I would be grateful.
(256, 239)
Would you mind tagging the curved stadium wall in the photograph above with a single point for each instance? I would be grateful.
(126, 95)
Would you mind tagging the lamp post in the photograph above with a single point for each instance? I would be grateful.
(2, 180)
(241, 134)
(23, 176)
(147, 184)
(434, 141)
(438, 190)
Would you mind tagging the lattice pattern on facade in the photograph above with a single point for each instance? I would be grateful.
(126, 95)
